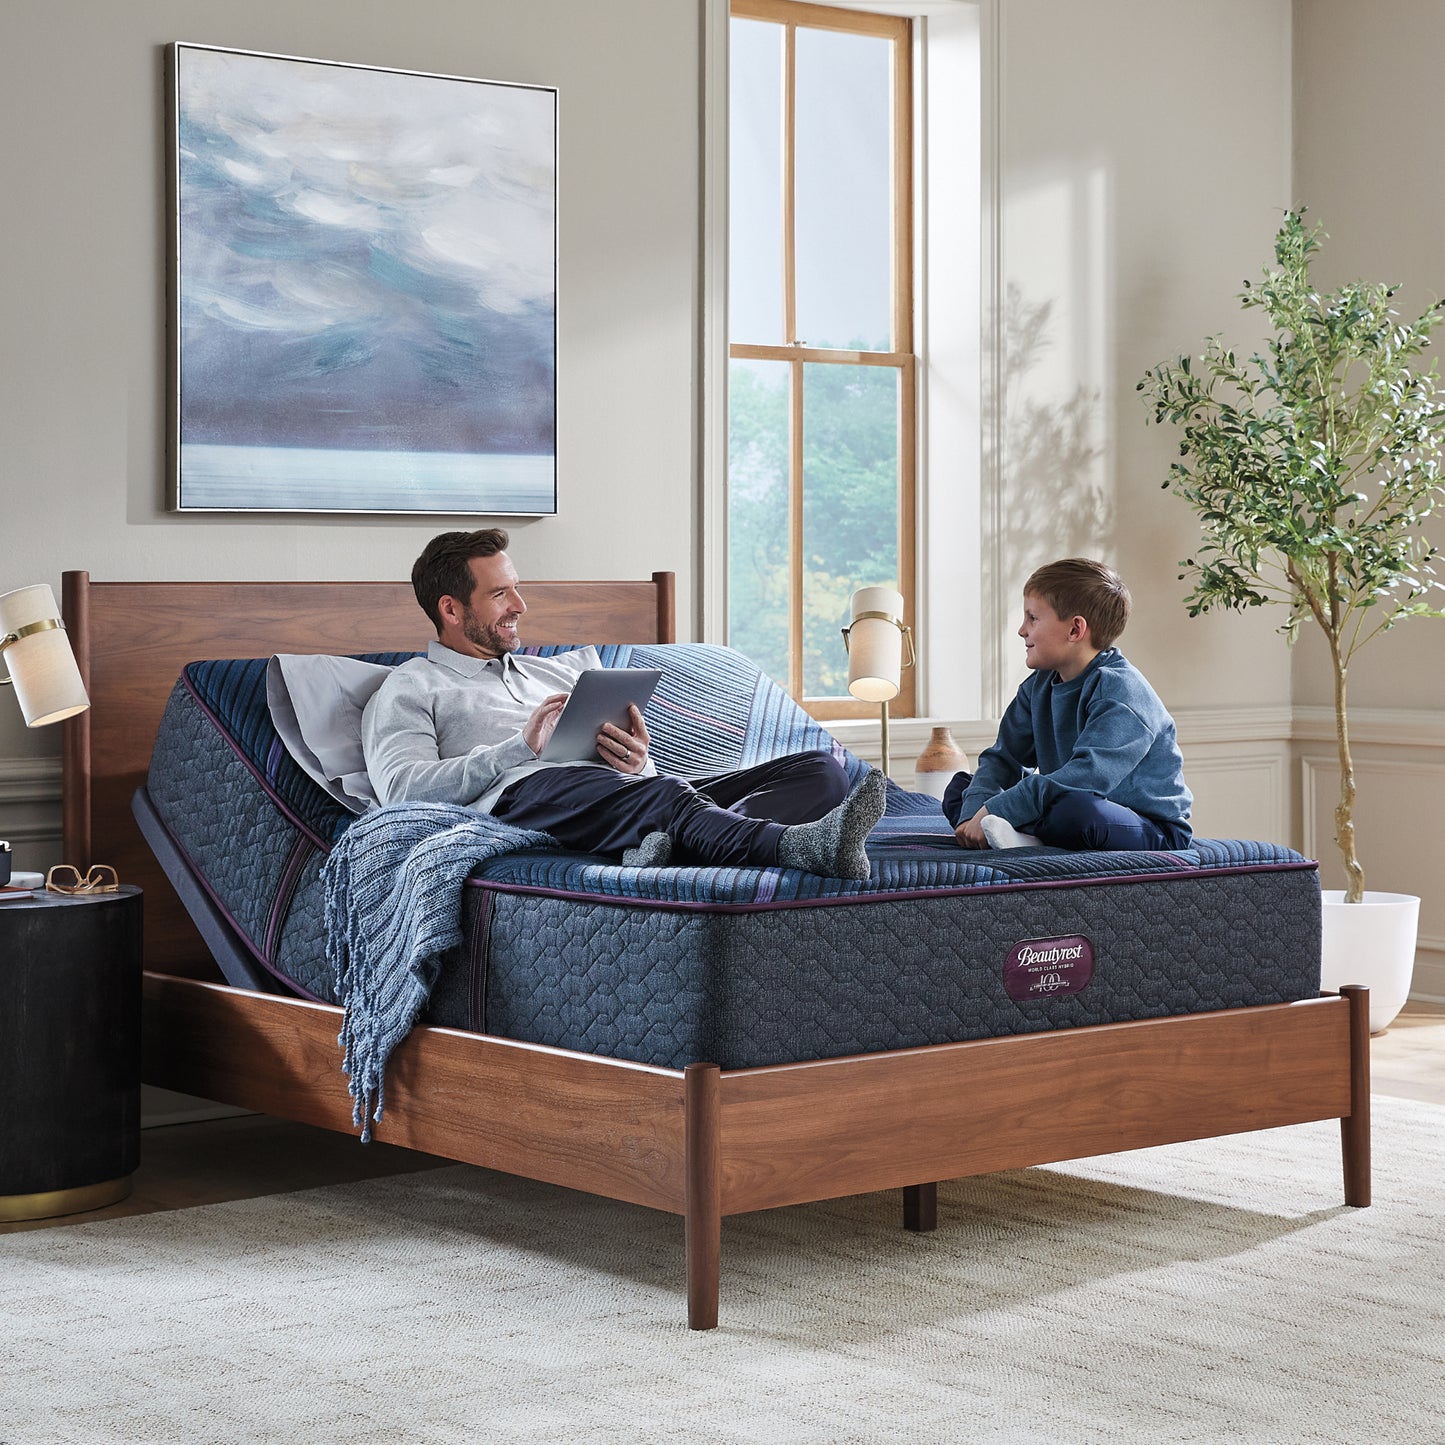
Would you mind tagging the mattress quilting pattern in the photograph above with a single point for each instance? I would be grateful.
(239, 841)
(744, 988)
(741, 966)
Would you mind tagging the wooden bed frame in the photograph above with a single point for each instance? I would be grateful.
(699, 1142)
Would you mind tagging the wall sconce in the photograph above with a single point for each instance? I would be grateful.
(874, 640)
(38, 657)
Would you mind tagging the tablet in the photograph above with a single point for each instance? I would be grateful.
(601, 696)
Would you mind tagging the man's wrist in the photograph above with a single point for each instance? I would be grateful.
(510, 754)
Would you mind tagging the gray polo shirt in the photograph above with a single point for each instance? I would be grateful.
(447, 728)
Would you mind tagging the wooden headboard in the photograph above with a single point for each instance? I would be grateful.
(132, 639)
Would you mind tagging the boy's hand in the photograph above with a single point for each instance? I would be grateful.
(970, 832)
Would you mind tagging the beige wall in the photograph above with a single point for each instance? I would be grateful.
(1143, 160)
(82, 340)
(1145, 155)
(1367, 164)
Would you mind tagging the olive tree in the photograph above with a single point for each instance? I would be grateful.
(1312, 465)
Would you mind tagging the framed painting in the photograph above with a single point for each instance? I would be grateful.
(363, 288)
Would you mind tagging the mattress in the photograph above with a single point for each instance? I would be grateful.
(740, 967)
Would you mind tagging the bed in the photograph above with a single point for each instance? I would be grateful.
(699, 1136)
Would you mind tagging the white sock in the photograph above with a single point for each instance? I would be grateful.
(1002, 834)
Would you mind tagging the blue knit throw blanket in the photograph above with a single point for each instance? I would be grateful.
(393, 907)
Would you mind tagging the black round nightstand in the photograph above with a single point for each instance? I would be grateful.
(70, 1005)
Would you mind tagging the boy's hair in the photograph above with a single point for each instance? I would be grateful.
(442, 569)
(1081, 587)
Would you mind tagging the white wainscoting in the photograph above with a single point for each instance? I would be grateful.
(1240, 793)
(30, 811)
(1237, 763)
(1399, 760)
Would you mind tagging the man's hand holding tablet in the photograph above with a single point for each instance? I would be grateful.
(602, 719)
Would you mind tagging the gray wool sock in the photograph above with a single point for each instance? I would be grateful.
(655, 851)
(833, 845)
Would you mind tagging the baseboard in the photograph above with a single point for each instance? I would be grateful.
(1428, 984)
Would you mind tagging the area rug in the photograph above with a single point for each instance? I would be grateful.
(1216, 1291)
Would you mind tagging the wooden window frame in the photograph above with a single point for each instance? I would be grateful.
(791, 14)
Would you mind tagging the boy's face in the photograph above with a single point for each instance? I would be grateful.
(1053, 643)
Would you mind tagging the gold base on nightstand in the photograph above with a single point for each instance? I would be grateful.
(15, 1207)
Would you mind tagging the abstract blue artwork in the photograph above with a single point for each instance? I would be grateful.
(363, 289)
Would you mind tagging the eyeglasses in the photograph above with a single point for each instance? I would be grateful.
(66, 878)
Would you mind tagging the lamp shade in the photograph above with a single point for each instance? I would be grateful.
(40, 663)
(875, 644)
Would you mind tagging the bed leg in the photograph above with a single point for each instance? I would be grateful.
(1355, 1128)
(702, 1192)
(920, 1207)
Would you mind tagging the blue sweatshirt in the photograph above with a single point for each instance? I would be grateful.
(1104, 732)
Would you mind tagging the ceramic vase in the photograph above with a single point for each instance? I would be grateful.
(940, 759)
(1372, 943)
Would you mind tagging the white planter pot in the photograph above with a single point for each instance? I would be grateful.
(1372, 943)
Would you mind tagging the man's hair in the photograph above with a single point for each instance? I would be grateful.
(1081, 587)
(442, 570)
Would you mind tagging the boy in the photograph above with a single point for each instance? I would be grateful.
(1086, 755)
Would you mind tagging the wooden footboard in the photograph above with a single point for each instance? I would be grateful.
(602, 1125)
(852, 1126)
(706, 1142)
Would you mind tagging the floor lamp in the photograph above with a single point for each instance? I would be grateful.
(874, 640)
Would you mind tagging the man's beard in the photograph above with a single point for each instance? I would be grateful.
(487, 636)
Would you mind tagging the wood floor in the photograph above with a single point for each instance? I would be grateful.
(243, 1157)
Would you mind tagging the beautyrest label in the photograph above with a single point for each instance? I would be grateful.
(1048, 967)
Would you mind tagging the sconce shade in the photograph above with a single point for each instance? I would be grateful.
(40, 663)
(875, 644)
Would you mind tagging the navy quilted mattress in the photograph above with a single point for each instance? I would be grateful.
(741, 967)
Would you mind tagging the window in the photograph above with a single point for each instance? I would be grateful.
(822, 376)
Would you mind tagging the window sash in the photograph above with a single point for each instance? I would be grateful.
(790, 14)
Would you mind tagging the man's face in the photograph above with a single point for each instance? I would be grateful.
(489, 620)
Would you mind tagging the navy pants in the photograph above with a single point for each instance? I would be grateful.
(731, 820)
(1084, 820)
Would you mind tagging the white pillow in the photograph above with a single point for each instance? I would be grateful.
(316, 704)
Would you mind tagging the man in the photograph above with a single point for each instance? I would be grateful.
(465, 725)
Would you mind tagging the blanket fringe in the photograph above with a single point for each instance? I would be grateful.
(393, 889)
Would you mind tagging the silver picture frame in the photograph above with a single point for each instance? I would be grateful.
(363, 288)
